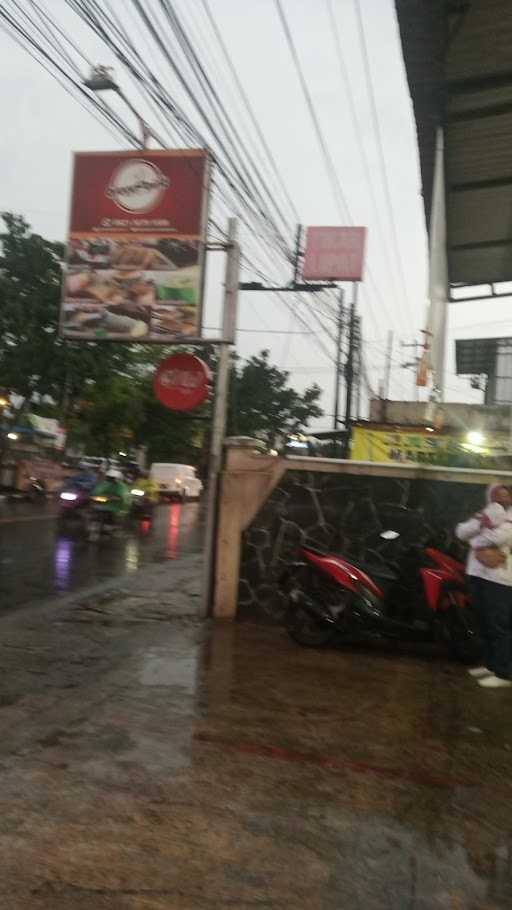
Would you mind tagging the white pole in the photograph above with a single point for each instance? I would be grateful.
(387, 371)
(437, 321)
(220, 408)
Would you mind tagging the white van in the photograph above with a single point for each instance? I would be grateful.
(176, 481)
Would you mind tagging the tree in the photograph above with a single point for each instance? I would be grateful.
(30, 278)
(169, 436)
(106, 420)
(34, 361)
(263, 405)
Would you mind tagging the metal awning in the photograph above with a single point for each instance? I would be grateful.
(458, 57)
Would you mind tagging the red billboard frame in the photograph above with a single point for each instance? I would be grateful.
(136, 246)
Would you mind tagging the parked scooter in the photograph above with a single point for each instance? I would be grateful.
(36, 490)
(422, 598)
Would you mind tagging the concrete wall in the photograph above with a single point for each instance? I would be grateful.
(270, 505)
(456, 415)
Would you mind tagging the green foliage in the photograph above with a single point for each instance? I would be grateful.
(264, 405)
(177, 438)
(30, 276)
(105, 420)
(34, 361)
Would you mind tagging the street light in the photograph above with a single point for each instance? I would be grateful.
(475, 438)
(102, 79)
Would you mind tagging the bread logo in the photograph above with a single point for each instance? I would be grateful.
(137, 186)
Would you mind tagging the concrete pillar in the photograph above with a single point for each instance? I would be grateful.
(248, 478)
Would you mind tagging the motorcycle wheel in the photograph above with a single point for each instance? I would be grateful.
(305, 630)
(464, 641)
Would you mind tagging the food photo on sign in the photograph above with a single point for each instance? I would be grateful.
(136, 246)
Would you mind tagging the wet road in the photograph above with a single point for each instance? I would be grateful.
(165, 765)
(37, 560)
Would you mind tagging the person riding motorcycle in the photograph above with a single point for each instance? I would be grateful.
(150, 488)
(115, 491)
(84, 481)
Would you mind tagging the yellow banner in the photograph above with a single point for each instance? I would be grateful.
(413, 446)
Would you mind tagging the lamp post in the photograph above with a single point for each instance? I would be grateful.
(102, 79)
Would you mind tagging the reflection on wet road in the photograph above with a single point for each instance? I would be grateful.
(38, 560)
(169, 765)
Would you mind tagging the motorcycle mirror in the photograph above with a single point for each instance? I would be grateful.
(390, 535)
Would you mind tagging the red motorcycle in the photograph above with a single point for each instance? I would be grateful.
(419, 597)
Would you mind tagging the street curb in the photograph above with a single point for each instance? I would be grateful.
(123, 585)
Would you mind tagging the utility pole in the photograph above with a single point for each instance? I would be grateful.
(339, 339)
(220, 408)
(350, 370)
(413, 365)
(359, 366)
(387, 371)
(387, 375)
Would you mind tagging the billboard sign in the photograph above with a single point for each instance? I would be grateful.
(334, 254)
(136, 246)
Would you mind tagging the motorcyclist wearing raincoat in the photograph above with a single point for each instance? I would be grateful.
(114, 489)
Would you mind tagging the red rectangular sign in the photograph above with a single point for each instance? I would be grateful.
(334, 254)
(136, 245)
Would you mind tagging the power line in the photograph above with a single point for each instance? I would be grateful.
(328, 161)
(380, 147)
(312, 112)
(243, 153)
(248, 108)
(234, 185)
(357, 130)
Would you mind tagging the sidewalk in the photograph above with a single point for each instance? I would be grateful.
(151, 762)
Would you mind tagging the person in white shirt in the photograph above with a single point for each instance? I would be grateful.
(491, 586)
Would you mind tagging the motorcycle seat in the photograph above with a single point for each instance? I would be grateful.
(374, 570)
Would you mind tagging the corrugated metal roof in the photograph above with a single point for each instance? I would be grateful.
(459, 65)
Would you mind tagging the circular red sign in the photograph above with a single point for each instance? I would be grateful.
(181, 382)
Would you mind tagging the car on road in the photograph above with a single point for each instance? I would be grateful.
(176, 481)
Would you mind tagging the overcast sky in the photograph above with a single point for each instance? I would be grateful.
(42, 125)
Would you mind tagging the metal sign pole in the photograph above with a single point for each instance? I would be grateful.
(220, 408)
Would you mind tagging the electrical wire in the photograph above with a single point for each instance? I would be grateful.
(249, 109)
(361, 145)
(235, 187)
(340, 197)
(134, 141)
(382, 159)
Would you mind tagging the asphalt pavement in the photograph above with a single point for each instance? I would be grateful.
(153, 762)
(38, 560)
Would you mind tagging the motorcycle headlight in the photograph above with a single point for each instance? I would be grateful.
(137, 492)
(69, 497)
